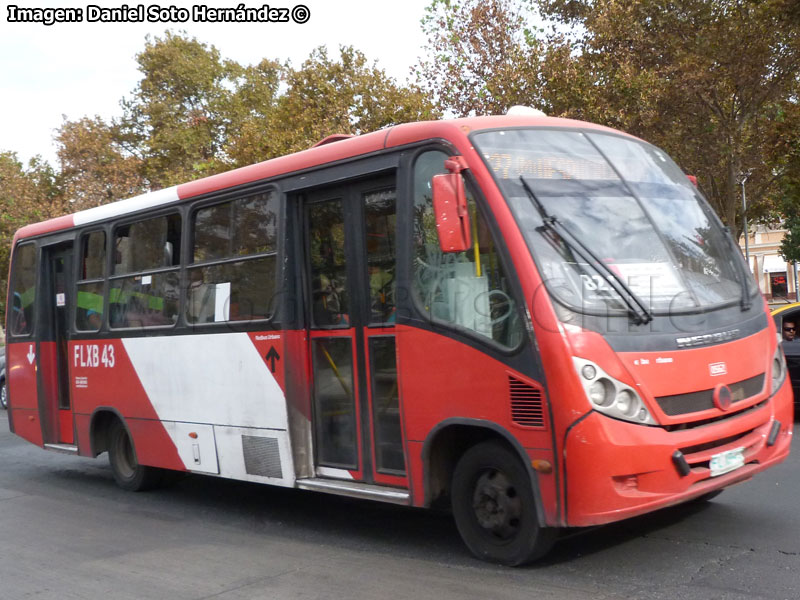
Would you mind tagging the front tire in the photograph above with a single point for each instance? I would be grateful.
(495, 509)
(128, 473)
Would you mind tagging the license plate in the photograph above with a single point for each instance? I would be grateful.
(727, 461)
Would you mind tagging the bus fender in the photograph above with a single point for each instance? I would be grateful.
(494, 430)
(93, 446)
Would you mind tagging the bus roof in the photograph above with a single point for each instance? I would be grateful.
(391, 137)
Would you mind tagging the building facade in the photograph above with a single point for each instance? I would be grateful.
(776, 278)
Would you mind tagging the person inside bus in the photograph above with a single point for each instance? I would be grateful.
(789, 330)
(327, 299)
(94, 320)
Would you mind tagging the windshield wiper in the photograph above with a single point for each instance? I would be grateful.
(742, 274)
(636, 307)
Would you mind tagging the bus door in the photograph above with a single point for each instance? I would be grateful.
(350, 280)
(54, 376)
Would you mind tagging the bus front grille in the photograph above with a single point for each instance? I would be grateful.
(682, 404)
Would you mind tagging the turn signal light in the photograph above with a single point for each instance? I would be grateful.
(542, 466)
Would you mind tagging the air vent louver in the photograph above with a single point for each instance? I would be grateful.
(262, 456)
(527, 403)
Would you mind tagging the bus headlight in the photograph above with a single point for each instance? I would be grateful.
(778, 369)
(610, 396)
(602, 392)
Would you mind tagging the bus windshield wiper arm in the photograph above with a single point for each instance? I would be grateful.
(640, 313)
(742, 273)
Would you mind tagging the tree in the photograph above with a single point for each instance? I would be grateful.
(483, 56)
(95, 169)
(253, 103)
(326, 96)
(178, 117)
(194, 114)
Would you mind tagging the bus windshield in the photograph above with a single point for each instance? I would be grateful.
(630, 205)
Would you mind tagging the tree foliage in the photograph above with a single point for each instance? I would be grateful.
(178, 117)
(95, 168)
(482, 56)
(326, 96)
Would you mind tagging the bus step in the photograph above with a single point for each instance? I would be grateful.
(355, 489)
(63, 448)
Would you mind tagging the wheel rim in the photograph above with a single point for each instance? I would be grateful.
(126, 463)
(496, 505)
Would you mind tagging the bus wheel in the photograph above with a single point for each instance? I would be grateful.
(494, 507)
(128, 473)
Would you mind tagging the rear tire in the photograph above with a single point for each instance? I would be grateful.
(128, 473)
(3, 394)
(495, 509)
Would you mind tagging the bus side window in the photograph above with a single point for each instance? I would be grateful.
(89, 309)
(467, 289)
(221, 289)
(23, 290)
(144, 288)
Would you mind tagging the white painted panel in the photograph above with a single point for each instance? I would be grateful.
(219, 379)
(231, 456)
(196, 446)
(123, 207)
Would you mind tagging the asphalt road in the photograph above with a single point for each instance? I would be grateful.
(67, 532)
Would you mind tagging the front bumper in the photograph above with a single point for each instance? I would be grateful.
(617, 470)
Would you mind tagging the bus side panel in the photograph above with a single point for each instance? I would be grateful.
(101, 375)
(154, 446)
(23, 410)
(443, 379)
(83, 435)
(21, 372)
(231, 383)
(27, 425)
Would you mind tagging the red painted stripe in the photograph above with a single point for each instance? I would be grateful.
(56, 224)
(154, 446)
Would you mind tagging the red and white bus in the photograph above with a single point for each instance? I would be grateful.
(539, 322)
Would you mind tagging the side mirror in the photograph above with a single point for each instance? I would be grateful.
(450, 207)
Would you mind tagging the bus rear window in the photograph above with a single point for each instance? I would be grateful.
(23, 290)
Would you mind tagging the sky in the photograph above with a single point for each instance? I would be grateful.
(82, 69)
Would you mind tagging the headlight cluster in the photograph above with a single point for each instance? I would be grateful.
(610, 396)
(778, 369)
